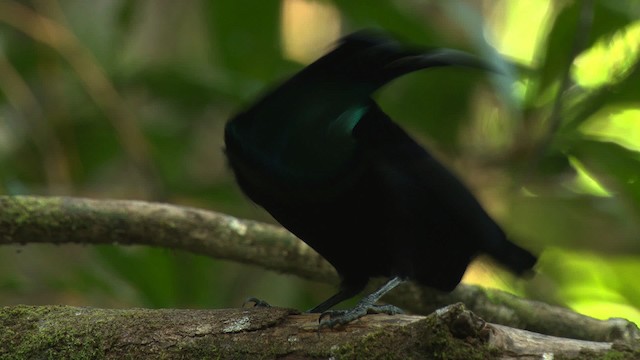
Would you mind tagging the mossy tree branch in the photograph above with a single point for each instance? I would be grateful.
(58, 220)
(273, 333)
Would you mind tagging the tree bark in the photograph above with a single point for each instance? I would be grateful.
(58, 220)
(273, 333)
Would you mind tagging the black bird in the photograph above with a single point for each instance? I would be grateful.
(330, 166)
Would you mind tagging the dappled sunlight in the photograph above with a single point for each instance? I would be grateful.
(603, 310)
(621, 126)
(484, 272)
(518, 27)
(308, 29)
(609, 60)
(591, 284)
(584, 182)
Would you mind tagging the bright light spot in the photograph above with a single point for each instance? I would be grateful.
(584, 182)
(592, 284)
(308, 29)
(621, 127)
(605, 310)
(609, 59)
(237, 226)
(484, 273)
(517, 27)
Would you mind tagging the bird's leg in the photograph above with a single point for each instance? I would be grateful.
(365, 306)
(347, 291)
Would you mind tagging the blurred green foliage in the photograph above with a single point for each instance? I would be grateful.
(128, 99)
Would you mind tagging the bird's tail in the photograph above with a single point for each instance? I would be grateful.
(515, 258)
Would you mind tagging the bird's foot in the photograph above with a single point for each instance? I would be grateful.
(342, 317)
(257, 303)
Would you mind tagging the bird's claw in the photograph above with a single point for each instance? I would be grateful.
(331, 315)
(257, 303)
(342, 317)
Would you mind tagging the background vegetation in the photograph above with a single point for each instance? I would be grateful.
(127, 99)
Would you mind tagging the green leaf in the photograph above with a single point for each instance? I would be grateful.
(557, 57)
(562, 38)
(612, 164)
(609, 17)
(586, 105)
